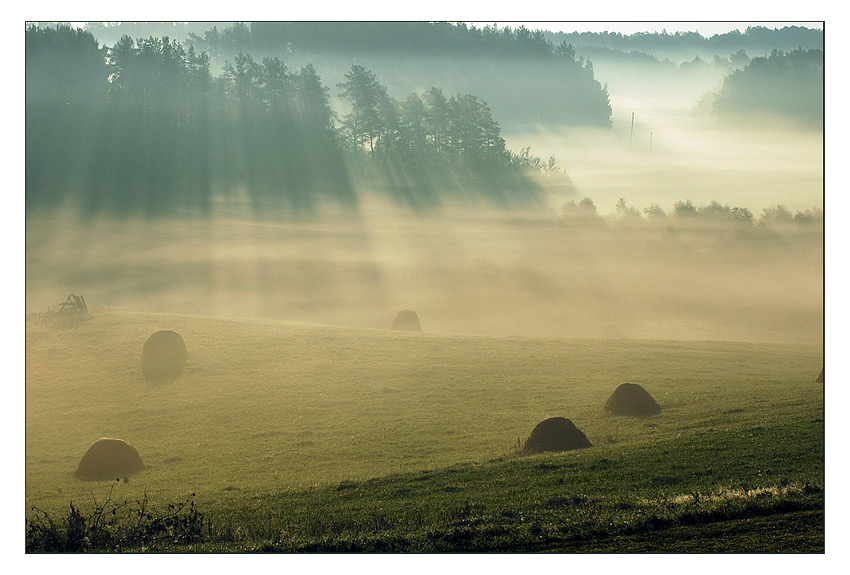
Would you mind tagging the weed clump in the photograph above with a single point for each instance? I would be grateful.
(633, 400)
(109, 459)
(115, 526)
(407, 320)
(164, 356)
(555, 434)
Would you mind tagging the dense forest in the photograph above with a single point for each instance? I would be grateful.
(145, 126)
(454, 38)
(790, 85)
(296, 113)
(432, 38)
(498, 65)
(685, 45)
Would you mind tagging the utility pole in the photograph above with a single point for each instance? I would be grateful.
(632, 133)
(650, 141)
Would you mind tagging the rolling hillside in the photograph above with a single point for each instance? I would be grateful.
(324, 432)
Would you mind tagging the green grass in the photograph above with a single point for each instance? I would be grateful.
(307, 437)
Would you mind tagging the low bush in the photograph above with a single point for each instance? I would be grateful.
(113, 526)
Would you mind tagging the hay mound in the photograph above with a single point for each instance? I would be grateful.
(109, 459)
(820, 377)
(164, 356)
(555, 434)
(407, 320)
(611, 331)
(631, 399)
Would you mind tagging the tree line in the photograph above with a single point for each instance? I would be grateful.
(459, 38)
(420, 38)
(754, 38)
(789, 84)
(146, 126)
(713, 224)
(548, 83)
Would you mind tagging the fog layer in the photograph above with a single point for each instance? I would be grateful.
(666, 145)
(465, 271)
(666, 226)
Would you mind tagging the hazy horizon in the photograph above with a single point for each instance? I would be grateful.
(242, 217)
(259, 224)
(705, 28)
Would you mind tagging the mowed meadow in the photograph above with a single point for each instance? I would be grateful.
(266, 408)
(303, 423)
(664, 229)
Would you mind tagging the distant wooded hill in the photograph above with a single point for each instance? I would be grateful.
(522, 75)
(525, 76)
(755, 39)
(790, 85)
(145, 126)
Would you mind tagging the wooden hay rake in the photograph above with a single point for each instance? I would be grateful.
(74, 304)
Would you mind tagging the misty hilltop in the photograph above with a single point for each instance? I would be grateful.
(528, 76)
(298, 114)
(519, 73)
(335, 286)
(158, 130)
(685, 46)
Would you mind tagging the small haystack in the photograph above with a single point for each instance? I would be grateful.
(612, 331)
(407, 320)
(164, 356)
(109, 459)
(555, 434)
(631, 399)
(820, 377)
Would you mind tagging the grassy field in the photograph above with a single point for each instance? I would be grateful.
(309, 437)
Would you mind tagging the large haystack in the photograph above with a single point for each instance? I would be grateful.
(555, 434)
(820, 377)
(407, 320)
(109, 459)
(164, 356)
(631, 399)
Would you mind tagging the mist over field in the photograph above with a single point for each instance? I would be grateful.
(675, 155)
(464, 271)
(478, 251)
(562, 212)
